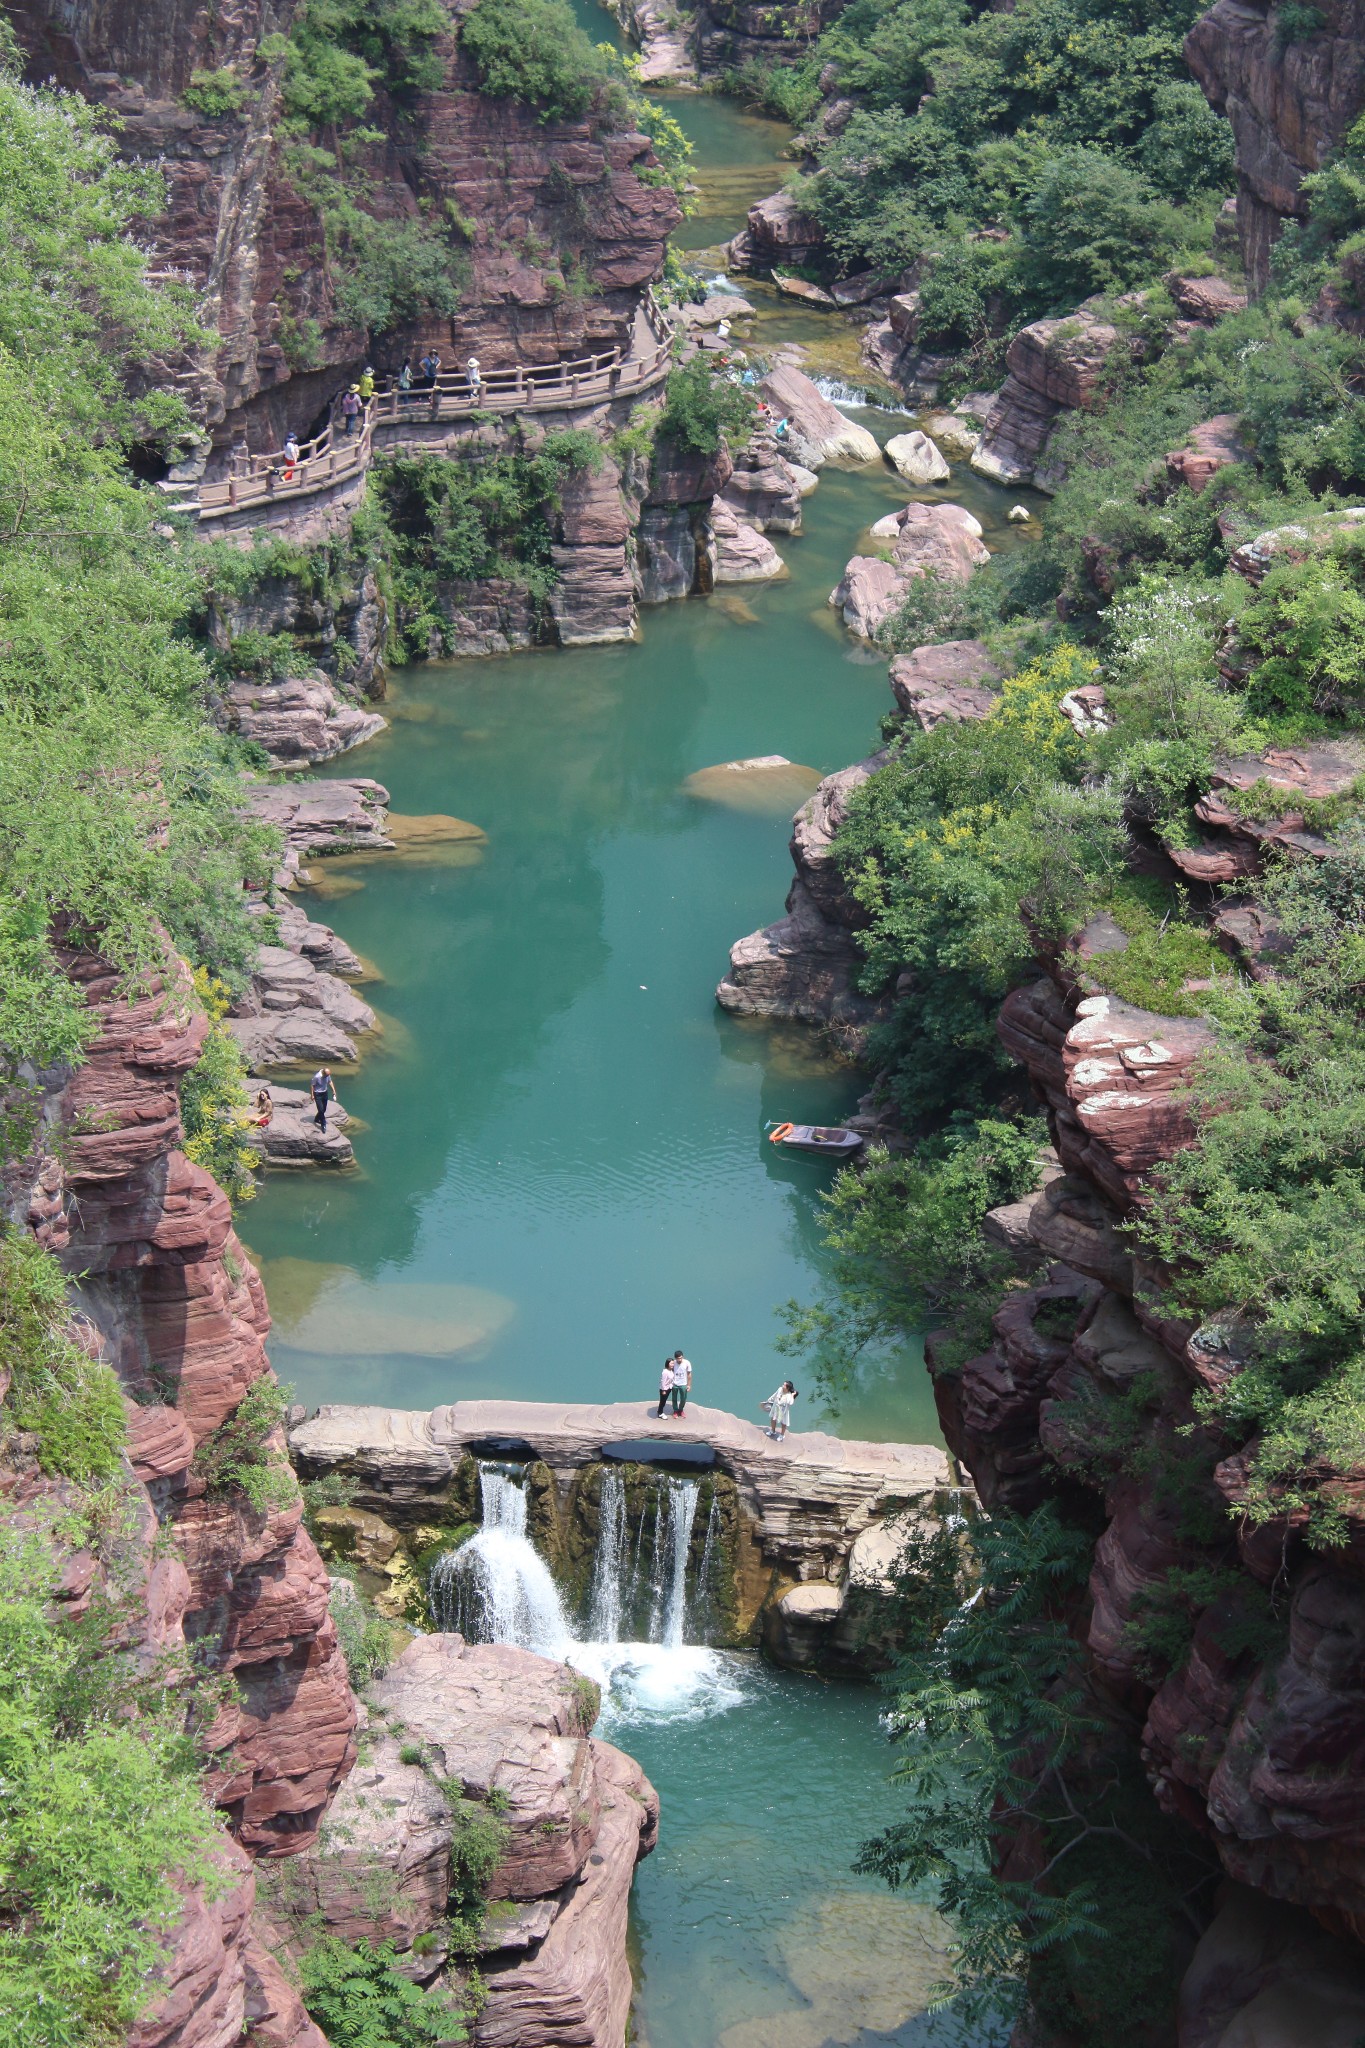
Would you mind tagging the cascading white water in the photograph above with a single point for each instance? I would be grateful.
(608, 1565)
(496, 1588)
(710, 1552)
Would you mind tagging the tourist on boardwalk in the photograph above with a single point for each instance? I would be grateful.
(430, 366)
(475, 380)
(665, 1388)
(290, 452)
(323, 1093)
(682, 1381)
(366, 384)
(403, 381)
(350, 408)
(779, 1407)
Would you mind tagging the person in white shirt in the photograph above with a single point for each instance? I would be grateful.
(665, 1388)
(779, 1407)
(682, 1381)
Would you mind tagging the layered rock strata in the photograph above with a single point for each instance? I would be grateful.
(1289, 102)
(506, 1733)
(239, 229)
(806, 966)
(1251, 1737)
(807, 1499)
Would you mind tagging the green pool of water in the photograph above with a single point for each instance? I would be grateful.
(751, 1928)
(564, 1172)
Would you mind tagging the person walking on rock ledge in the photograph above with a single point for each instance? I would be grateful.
(682, 1381)
(665, 1389)
(779, 1407)
(323, 1093)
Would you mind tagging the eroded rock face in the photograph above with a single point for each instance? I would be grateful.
(805, 967)
(301, 721)
(1212, 445)
(238, 229)
(777, 231)
(577, 1813)
(947, 682)
(1288, 105)
(1054, 365)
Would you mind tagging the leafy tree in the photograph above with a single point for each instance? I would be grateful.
(1092, 225)
(704, 408)
(906, 1233)
(533, 51)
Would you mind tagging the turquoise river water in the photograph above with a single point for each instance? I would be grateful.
(564, 1172)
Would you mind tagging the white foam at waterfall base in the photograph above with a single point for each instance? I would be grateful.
(496, 1588)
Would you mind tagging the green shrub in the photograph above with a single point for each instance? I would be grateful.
(367, 1640)
(1307, 623)
(533, 51)
(238, 1458)
(791, 91)
(1164, 951)
(215, 92)
(703, 408)
(359, 1999)
(214, 1103)
(102, 1810)
(72, 1404)
(906, 1234)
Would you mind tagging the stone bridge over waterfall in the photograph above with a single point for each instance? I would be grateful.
(814, 1521)
(319, 490)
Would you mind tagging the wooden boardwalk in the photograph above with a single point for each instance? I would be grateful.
(392, 419)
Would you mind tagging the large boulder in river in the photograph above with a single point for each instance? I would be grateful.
(817, 431)
(916, 458)
(946, 683)
(765, 490)
(942, 539)
(742, 553)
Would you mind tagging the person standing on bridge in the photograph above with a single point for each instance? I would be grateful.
(779, 1407)
(475, 381)
(665, 1389)
(682, 1382)
(403, 381)
(366, 385)
(430, 367)
(290, 452)
(350, 408)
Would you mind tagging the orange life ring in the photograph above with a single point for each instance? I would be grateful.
(782, 1131)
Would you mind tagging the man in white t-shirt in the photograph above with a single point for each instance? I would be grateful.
(682, 1381)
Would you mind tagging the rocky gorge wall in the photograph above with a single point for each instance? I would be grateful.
(560, 232)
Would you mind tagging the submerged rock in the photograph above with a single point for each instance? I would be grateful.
(769, 784)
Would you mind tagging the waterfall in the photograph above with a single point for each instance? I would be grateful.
(608, 1566)
(496, 1588)
(710, 1551)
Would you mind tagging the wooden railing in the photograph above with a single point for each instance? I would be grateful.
(392, 417)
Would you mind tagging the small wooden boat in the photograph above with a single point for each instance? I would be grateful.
(831, 1139)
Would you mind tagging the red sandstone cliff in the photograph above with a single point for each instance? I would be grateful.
(1288, 102)
(531, 196)
(164, 1291)
(1256, 1743)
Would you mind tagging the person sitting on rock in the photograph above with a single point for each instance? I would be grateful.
(265, 1109)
